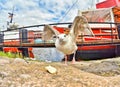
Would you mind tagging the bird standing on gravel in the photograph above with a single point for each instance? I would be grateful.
(66, 43)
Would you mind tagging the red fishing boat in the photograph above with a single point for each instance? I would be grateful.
(105, 44)
(105, 25)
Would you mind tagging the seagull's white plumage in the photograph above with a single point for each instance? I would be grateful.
(66, 43)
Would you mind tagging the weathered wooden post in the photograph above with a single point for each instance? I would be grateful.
(1, 40)
(24, 39)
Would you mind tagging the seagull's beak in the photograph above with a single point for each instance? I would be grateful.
(60, 39)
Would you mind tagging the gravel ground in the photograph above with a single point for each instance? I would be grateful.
(21, 73)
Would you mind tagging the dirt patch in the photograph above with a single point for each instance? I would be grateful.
(104, 68)
(81, 74)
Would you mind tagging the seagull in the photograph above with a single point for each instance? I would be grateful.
(66, 43)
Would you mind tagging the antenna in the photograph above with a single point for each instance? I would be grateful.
(11, 15)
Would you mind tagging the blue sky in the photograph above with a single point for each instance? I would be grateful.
(32, 12)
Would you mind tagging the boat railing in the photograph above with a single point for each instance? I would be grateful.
(23, 37)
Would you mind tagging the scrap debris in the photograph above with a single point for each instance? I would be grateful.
(51, 69)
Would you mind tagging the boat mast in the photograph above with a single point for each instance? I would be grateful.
(9, 23)
(11, 15)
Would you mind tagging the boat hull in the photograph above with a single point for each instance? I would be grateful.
(96, 52)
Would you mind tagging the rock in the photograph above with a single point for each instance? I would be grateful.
(51, 69)
(50, 54)
(25, 76)
(104, 66)
(4, 61)
(19, 60)
(3, 74)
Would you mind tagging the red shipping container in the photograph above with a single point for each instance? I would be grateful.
(108, 3)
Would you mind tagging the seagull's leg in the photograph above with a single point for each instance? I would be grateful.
(65, 59)
(73, 60)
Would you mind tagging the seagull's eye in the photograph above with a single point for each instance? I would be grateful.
(65, 35)
(54, 36)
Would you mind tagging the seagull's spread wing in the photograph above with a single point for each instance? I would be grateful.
(80, 25)
(49, 32)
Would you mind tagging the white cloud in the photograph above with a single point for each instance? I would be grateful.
(33, 12)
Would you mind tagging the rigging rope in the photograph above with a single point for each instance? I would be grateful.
(67, 11)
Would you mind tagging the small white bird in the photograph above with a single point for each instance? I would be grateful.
(66, 43)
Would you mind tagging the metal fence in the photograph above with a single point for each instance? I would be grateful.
(22, 37)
